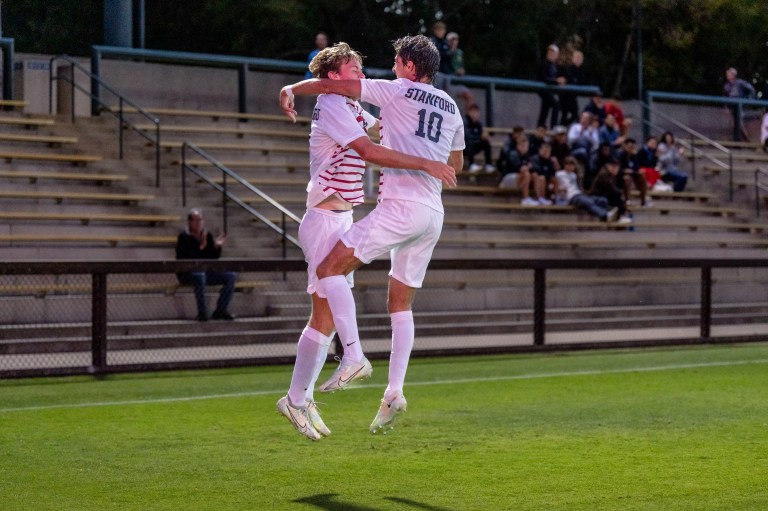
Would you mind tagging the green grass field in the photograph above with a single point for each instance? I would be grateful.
(652, 429)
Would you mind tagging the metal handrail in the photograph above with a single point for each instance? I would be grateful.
(226, 194)
(695, 135)
(94, 96)
(760, 171)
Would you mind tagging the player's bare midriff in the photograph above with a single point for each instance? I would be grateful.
(335, 203)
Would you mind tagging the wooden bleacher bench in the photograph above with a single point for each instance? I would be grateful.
(264, 149)
(112, 239)
(87, 218)
(573, 243)
(217, 114)
(34, 176)
(246, 164)
(168, 288)
(473, 279)
(223, 130)
(60, 196)
(40, 139)
(74, 159)
(13, 103)
(28, 122)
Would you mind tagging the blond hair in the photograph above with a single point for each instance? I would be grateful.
(332, 58)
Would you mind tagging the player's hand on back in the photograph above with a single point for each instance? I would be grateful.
(443, 172)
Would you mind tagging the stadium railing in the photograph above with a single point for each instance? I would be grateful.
(100, 343)
(761, 184)
(228, 196)
(96, 98)
(245, 64)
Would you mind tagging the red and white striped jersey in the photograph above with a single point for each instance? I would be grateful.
(333, 166)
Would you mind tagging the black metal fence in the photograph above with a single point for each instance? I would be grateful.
(104, 317)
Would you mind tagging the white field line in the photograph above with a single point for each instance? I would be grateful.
(531, 376)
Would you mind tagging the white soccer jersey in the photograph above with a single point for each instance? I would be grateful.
(417, 119)
(334, 167)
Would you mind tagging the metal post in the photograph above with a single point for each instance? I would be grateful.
(95, 87)
(72, 92)
(98, 322)
(490, 100)
(757, 194)
(706, 302)
(157, 155)
(738, 109)
(730, 176)
(120, 127)
(184, 174)
(224, 201)
(8, 68)
(693, 157)
(539, 303)
(242, 86)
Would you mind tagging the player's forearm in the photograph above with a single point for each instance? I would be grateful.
(386, 157)
(314, 86)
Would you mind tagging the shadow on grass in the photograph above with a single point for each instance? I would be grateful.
(329, 502)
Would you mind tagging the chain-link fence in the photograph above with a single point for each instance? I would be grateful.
(77, 318)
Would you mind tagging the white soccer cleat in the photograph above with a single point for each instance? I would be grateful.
(388, 411)
(346, 374)
(298, 417)
(314, 418)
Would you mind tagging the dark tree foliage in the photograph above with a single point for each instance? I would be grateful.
(686, 43)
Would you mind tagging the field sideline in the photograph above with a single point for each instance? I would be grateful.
(677, 428)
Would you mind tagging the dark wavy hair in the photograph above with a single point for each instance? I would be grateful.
(422, 52)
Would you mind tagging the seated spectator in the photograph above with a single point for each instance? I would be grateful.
(604, 185)
(583, 138)
(475, 141)
(596, 162)
(514, 163)
(630, 173)
(609, 132)
(195, 242)
(543, 168)
(670, 154)
(538, 137)
(569, 192)
(560, 147)
(646, 156)
(596, 107)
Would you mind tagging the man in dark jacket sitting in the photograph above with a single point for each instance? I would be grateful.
(195, 242)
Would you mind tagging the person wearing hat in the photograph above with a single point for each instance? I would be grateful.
(559, 142)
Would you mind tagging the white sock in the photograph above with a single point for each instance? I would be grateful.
(307, 352)
(342, 304)
(319, 363)
(402, 344)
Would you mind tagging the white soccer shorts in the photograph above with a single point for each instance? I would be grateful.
(319, 232)
(407, 230)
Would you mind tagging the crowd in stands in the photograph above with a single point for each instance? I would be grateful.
(591, 165)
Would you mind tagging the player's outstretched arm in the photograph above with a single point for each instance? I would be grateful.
(386, 157)
(349, 88)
